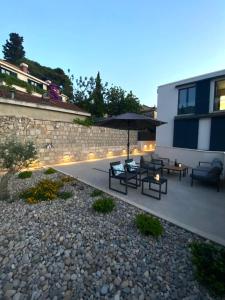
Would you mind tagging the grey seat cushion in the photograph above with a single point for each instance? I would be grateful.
(217, 163)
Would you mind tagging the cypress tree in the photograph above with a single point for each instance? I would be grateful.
(13, 49)
(97, 100)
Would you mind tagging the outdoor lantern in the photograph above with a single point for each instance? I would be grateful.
(157, 177)
(179, 165)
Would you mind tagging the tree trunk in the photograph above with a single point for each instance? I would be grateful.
(4, 187)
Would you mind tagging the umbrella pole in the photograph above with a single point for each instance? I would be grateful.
(128, 144)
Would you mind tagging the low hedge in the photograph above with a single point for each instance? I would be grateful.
(148, 225)
(104, 205)
(209, 262)
(50, 171)
(65, 195)
(25, 174)
(45, 190)
(97, 193)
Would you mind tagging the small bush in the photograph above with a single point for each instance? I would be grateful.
(97, 193)
(148, 225)
(87, 122)
(67, 179)
(45, 190)
(103, 205)
(209, 261)
(65, 195)
(25, 174)
(50, 171)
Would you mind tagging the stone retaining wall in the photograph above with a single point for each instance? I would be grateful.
(59, 142)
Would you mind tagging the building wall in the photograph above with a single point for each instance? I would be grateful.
(166, 110)
(10, 107)
(203, 129)
(61, 142)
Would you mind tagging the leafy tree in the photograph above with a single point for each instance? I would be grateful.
(115, 100)
(14, 156)
(90, 93)
(13, 49)
(119, 101)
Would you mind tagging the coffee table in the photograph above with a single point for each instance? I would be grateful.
(151, 180)
(183, 170)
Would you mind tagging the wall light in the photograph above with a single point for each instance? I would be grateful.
(135, 151)
(109, 153)
(66, 157)
(91, 155)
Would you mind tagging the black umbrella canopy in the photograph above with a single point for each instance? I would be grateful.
(130, 121)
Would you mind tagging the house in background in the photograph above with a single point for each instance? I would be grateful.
(31, 96)
(24, 80)
(194, 110)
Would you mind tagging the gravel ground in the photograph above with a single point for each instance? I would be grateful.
(64, 250)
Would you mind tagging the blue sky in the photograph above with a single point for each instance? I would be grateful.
(137, 44)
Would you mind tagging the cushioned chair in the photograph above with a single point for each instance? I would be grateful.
(132, 167)
(151, 164)
(208, 172)
(119, 172)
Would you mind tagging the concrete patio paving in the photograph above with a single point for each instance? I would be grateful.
(199, 209)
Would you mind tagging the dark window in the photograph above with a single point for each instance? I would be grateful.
(219, 99)
(217, 141)
(7, 72)
(185, 134)
(186, 100)
(35, 84)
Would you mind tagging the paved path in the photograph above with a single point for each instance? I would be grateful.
(199, 209)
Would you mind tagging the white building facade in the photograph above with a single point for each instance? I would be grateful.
(194, 110)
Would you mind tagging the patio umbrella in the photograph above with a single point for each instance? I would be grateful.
(129, 121)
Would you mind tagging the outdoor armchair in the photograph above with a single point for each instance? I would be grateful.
(151, 165)
(132, 167)
(160, 160)
(119, 172)
(209, 174)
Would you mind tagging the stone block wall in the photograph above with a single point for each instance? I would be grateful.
(61, 142)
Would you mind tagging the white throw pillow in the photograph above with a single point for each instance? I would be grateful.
(132, 166)
(118, 169)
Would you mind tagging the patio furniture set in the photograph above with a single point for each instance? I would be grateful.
(150, 171)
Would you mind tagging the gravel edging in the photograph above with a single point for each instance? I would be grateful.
(64, 250)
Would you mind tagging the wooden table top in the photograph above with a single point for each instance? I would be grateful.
(175, 168)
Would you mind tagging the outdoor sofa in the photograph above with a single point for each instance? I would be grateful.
(208, 172)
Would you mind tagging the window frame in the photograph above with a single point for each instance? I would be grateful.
(187, 96)
(214, 96)
(7, 72)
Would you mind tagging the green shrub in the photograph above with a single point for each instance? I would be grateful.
(209, 261)
(16, 155)
(103, 205)
(25, 174)
(65, 195)
(148, 225)
(11, 80)
(67, 179)
(50, 171)
(97, 193)
(86, 122)
(45, 190)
